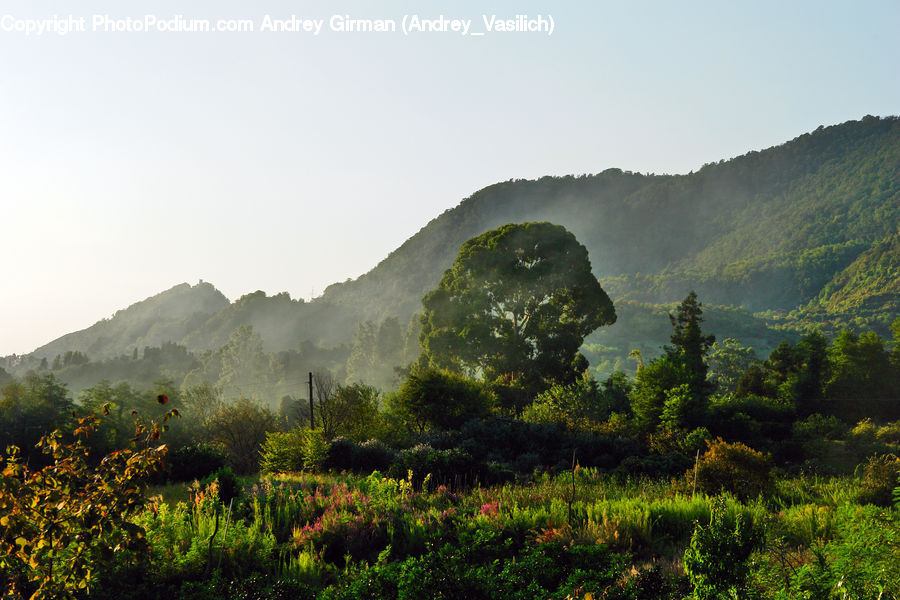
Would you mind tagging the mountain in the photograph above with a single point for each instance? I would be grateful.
(783, 239)
(152, 322)
(767, 230)
(201, 318)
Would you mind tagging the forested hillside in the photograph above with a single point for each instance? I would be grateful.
(767, 230)
(792, 238)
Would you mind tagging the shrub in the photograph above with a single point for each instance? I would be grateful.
(373, 456)
(732, 467)
(432, 399)
(195, 461)
(314, 450)
(346, 455)
(863, 440)
(341, 455)
(282, 452)
(889, 434)
(454, 468)
(717, 560)
(240, 429)
(62, 524)
(575, 405)
(229, 488)
(879, 478)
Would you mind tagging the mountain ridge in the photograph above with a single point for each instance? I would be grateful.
(769, 230)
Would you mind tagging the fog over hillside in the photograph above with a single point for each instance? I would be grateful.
(796, 236)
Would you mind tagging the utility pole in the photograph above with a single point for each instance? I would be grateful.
(311, 422)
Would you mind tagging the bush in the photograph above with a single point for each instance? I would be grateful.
(432, 399)
(717, 561)
(314, 450)
(879, 478)
(240, 429)
(65, 524)
(576, 406)
(732, 467)
(486, 564)
(346, 455)
(282, 452)
(229, 488)
(454, 468)
(195, 461)
(889, 434)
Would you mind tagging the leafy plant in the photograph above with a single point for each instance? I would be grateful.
(732, 467)
(195, 461)
(717, 560)
(229, 488)
(879, 478)
(314, 449)
(64, 524)
(282, 452)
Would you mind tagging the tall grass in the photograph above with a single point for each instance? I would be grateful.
(313, 527)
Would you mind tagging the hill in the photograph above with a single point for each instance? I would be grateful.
(797, 236)
(152, 322)
(766, 230)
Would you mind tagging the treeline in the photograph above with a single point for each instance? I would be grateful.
(812, 405)
(703, 418)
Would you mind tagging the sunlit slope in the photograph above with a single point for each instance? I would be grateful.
(767, 230)
(805, 231)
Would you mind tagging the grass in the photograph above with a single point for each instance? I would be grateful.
(313, 527)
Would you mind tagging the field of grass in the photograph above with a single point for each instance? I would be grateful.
(334, 536)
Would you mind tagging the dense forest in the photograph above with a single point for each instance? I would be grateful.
(694, 393)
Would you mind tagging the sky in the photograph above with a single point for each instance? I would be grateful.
(137, 153)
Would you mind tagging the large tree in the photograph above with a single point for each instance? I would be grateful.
(515, 305)
(690, 347)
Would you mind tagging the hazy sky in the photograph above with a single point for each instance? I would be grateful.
(285, 161)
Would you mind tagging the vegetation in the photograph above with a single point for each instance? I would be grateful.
(781, 242)
(515, 306)
(764, 465)
(680, 483)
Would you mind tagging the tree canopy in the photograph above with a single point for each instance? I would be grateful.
(515, 305)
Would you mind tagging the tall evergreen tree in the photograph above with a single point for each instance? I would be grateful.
(690, 347)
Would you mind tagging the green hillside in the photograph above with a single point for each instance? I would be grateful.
(767, 230)
(162, 318)
(789, 238)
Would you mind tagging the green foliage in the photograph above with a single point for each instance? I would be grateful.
(673, 391)
(282, 452)
(860, 369)
(430, 399)
(690, 346)
(195, 461)
(189, 540)
(453, 468)
(240, 429)
(648, 395)
(728, 361)
(732, 467)
(577, 405)
(347, 455)
(717, 560)
(313, 449)
(879, 478)
(31, 407)
(227, 485)
(484, 565)
(62, 524)
(377, 353)
(855, 558)
(515, 305)
(348, 410)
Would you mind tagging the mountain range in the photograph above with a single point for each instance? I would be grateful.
(798, 236)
